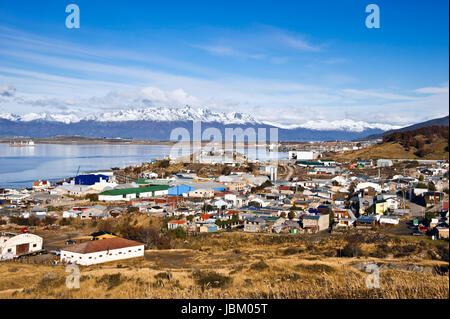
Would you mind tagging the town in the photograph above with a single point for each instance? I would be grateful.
(86, 220)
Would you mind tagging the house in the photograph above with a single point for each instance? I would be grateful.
(316, 222)
(390, 220)
(41, 185)
(94, 212)
(202, 193)
(174, 224)
(365, 204)
(13, 245)
(208, 228)
(381, 207)
(100, 251)
(343, 217)
(254, 224)
(366, 221)
(442, 232)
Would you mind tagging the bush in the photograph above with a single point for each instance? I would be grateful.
(443, 252)
(111, 280)
(290, 251)
(315, 268)
(163, 275)
(261, 265)
(65, 222)
(350, 250)
(211, 279)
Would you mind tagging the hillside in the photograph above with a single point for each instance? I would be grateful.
(442, 121)
(423, 143)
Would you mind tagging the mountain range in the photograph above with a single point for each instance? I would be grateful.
(157, 123)
(442, 121)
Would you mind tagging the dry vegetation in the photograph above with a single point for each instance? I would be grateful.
(424, 143)
(237, 265)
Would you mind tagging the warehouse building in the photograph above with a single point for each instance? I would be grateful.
(13, 245)
(100, 251)
(126, 194)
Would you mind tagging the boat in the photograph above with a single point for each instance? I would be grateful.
(21, 143)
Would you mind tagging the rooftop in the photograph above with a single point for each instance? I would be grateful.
(94, 246)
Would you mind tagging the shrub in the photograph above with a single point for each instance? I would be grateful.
(290, 251)
(315, 268)
(260, 265)
(111, 280)
(50, 280)
(211, 279)
(350, 250)
(163, 275)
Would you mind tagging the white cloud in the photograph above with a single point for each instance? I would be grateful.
(7, 91)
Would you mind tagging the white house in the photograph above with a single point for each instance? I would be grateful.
(100, 251)
(392, 220)
(12, 245)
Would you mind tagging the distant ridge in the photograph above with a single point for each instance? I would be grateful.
(442, 121)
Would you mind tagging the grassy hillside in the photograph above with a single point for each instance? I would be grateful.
(423, 143)
(237, 265)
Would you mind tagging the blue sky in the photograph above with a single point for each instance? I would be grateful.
(286, 62)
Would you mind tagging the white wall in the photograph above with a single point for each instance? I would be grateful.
(103, 256)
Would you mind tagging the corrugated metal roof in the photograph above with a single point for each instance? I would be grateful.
(136, 190)
(102, 245)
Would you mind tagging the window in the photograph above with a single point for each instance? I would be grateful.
(34, 245)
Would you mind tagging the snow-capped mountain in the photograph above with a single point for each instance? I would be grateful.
(159, 114)
(157, 123)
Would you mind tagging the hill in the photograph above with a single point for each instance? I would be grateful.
(443, 121)
(423, 143)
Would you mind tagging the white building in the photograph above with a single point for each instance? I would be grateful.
(12, 245)
(384, 163)
(100, 251)
(304, 155)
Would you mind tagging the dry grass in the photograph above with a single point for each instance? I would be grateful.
(395, 150)
(230, 266)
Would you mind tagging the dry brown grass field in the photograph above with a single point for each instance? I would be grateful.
(394, 150)
(237, 265)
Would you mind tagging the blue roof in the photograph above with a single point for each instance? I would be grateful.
(366, 219)
(89, 179)
(180, 190)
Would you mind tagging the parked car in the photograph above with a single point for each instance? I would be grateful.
(70, 242)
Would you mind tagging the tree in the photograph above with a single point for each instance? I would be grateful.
(331, 216)
(283, 215)
(421, 178)
(431, 187)
(291, 215)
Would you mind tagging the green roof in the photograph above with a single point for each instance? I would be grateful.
(136, 190)
(310, 163)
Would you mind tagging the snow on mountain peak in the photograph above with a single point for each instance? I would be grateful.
(159, 114)
(189, 113)
(339, 125)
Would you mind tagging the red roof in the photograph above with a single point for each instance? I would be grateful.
(94, 246)
(177, 222)
(206, 216)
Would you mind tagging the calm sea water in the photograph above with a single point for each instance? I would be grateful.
(21, 166)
